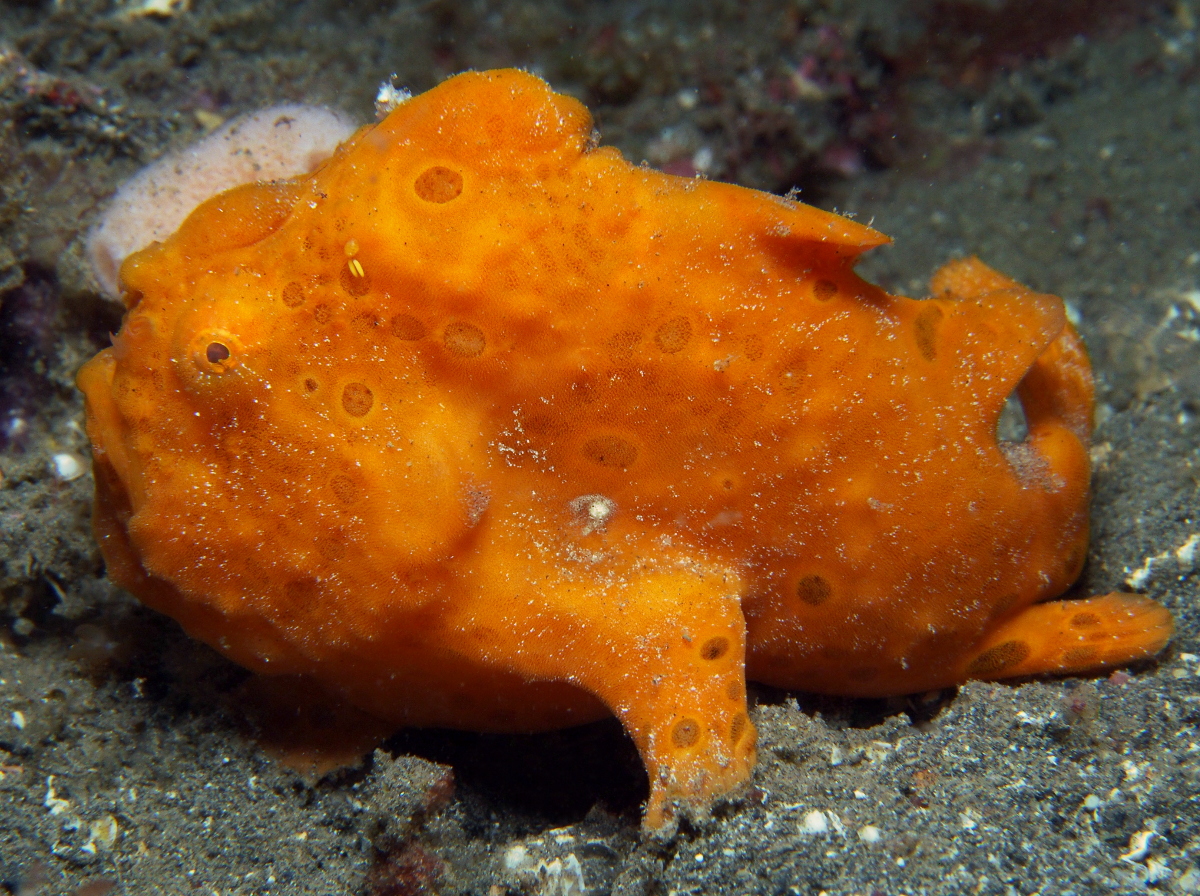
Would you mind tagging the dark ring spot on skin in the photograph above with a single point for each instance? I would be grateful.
(824, 290)
(302, 594)
(925, 330)
(673, 335)
(365, 321)
(620, 345)
(686, 733)
(730, 421)
(293, 295)
(216, 353)
(1073, 564)
(813, 590)
(1001, 606)
(310, 384)
(793, 371)
(344, 488)
(331, 547)
(610, 451)
(996, 659)
(738, 729)
(439, 184)
(545, 425)
(1080, 656)
(355, 284)
(407, 327)
(1084, 620)
(714, 648)
(357, 399)
(464, 339)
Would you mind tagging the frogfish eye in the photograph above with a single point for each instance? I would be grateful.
(210, 353)
(216, 352)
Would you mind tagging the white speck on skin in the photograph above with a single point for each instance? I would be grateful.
(389, 97)
(592, 512)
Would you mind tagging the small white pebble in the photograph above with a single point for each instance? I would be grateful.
(1157, 871)
(1139, 846)
(515, 857)
(687, 98)
(1091, 802)
(868, 833)
(160, 9)
(815, 822)
(104, 831)
(18, 719)
(1186, 552)
(1189, 881)
(878, 750)
(66, 467)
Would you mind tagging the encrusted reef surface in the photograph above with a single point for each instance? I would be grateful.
(1060, 150)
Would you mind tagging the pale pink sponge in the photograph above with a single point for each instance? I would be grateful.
(279, 142)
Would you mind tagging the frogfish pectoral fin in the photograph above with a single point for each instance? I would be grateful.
(1073, 636)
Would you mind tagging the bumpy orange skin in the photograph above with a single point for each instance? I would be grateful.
(480, 426)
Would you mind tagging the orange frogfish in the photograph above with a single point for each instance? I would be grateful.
(480, 426)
